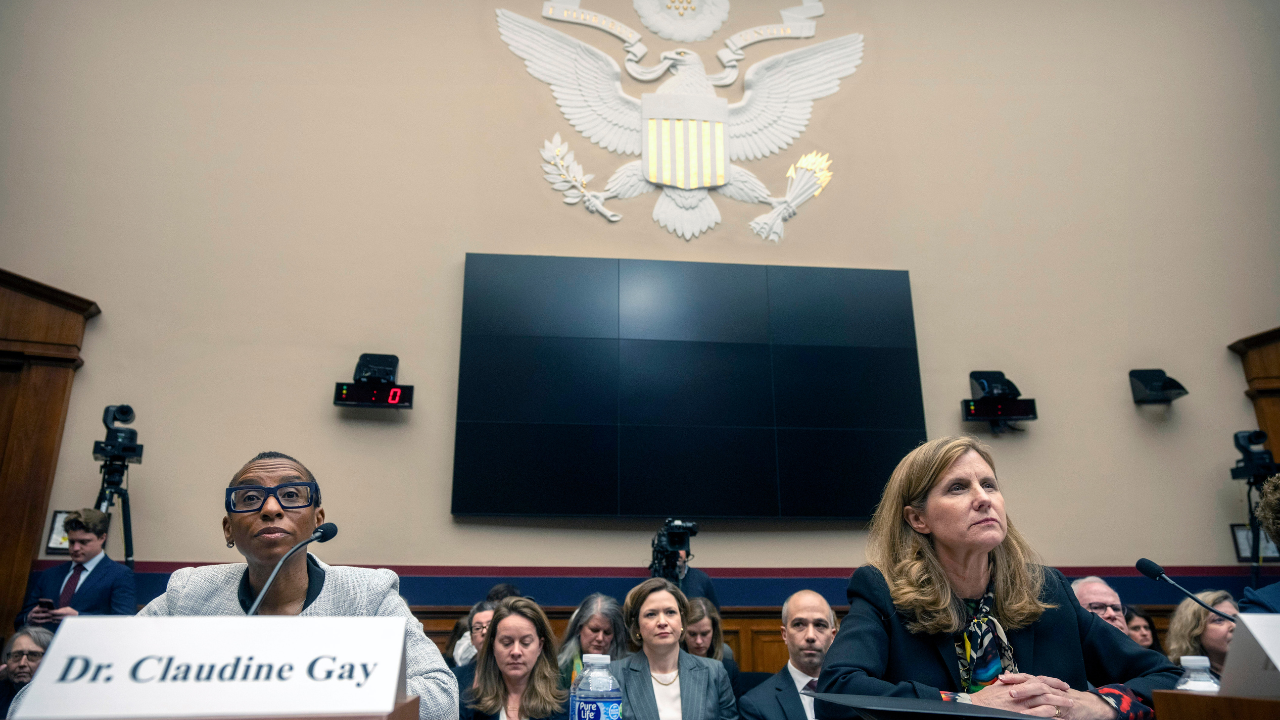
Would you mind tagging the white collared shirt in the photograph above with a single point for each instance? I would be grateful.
(88, 568)
(800, 679)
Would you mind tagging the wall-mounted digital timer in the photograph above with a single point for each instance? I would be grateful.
(373, 395)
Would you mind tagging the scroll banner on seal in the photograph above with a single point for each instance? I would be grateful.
(568, 11)
(795, 24)
(172, 667)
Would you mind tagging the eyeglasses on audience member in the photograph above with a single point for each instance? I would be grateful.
(32, 655)
(290, 496)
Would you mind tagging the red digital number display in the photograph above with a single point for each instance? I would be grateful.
(356, 394)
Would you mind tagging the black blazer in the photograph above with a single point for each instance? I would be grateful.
(108, 590)
(705, 692)
(469, 713)
(1263, 600)
(773, 699)
(874, 654)
(466, 675)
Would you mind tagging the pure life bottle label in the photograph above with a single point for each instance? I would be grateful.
(598, 709)
(596, 695)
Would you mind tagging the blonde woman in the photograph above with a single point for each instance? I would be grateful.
(516, 673)
(954, 605)
(1196, 631)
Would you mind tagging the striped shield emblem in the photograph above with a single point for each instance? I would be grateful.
(682, 140)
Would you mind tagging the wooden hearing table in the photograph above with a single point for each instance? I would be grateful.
(1182, 705)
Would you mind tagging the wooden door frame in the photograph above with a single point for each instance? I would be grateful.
(41, 333)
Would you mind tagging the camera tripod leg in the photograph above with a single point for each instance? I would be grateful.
(128, 527)
(1255, 534)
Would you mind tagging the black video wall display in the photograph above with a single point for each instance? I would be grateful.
(597, 387)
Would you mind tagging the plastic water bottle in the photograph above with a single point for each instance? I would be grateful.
(595, 695)
(1196, 676)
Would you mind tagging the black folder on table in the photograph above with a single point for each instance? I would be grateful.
(876, 707)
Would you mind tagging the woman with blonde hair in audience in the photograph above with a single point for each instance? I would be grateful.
(662, 681)
(595, 628)
(955, 605)
(704, 637)
(1196, 631)
(516, 673)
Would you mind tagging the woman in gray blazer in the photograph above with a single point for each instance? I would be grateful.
(663, 682)
(273, 502)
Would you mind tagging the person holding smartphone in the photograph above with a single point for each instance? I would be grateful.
(90, 584)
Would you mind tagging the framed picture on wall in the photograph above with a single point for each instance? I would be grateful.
(57, 543)
(1244, 544)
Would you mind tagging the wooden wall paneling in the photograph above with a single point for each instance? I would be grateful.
(26, 475)
(10, 381)
(754, 633)
(41, 331)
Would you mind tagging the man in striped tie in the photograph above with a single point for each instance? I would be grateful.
(90, 584)
(808, 627)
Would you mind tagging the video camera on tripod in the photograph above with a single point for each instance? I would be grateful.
(667, 544)
(119, 450)
(1254, 467)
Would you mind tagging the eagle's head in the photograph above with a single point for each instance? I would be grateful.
(681, 58)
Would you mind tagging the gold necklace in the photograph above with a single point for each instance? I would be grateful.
(665, 684)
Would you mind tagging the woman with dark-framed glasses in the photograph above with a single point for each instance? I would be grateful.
(271, 504)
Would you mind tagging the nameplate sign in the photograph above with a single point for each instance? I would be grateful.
(1252, 660)
(173, 667)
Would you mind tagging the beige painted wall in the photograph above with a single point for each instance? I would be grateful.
(257, 193)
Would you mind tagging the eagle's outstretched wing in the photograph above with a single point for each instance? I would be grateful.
(779, 94)
(585, 82)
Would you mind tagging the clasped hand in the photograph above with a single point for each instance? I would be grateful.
(1043, 697)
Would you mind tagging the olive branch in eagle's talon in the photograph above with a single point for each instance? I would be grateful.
(565, 175)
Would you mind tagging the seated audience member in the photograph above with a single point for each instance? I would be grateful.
(516, 675)
(478, 623)
(1142, 628)
(90, 584)
(271, 504)
(595, 628)
(808, 627)
(502, 591)
(465, 652)
(661, 681)
(954, 605)
(460, 632)
(693, 582)
(1196, 631)
(21, 657)
(704, 637)
(1266, 599)
(1096, 596)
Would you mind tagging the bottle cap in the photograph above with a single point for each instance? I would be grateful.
(1195, 661)
(604, 659)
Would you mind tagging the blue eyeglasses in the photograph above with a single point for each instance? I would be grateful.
(290, 496)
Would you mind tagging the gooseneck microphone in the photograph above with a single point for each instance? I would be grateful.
(324, 533)
(1155, 572)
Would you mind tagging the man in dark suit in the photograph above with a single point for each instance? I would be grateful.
(91, 584)
(808, 627)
